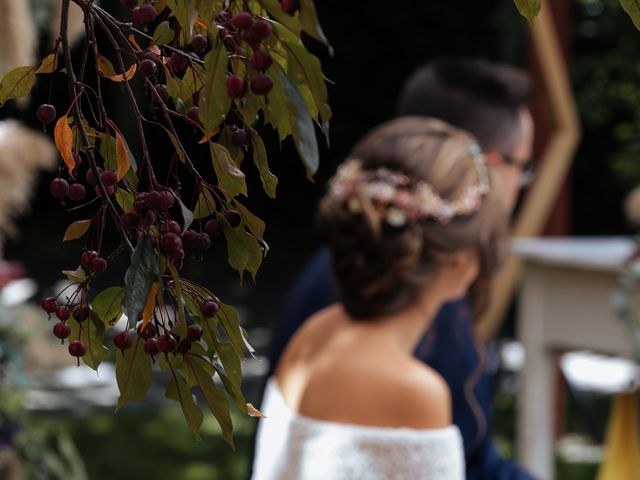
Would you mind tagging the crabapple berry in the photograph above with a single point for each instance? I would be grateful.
(232, 217)
(46, 113)
(77, 348)
(148, 67)
(209, 307)
(235, 87)
(260, 60)
(49, 304)
(261, 30)
(194, 332)
(59, 187)
(212, 228)
(166, 343)
(76, 192)
(170, 243)
(123, 340)
(61, 330)
(242, 20)
(261, 84)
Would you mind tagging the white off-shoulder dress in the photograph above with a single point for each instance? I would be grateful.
(290, 446)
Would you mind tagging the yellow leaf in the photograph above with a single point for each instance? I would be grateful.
(105, 67)
(128, 74)
(202, 24)
(132, 39)
(76, 275)
(254, 412)
(149, 308)
(209, 135)
(63, 137)
(49, 64)
(76, 230)
(122, 154)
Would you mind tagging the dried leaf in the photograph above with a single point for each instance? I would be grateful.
(150, 307)
(122, 153)
(63, 137)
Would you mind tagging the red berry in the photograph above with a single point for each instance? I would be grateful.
(80, 313)
(209, 307)
(109, 178)
(261, 30)
(77, 159)
(194, 332)
(149, 331)
(151, 346)
(261, 84)
(148, 13)
(290, 6)
(213, 228)
(232, 217)
(123, 340)
(128, 3)
(173, 227)
(199, 42)
(167, 200)
(153, 199)
(87, 257)
(163, 92)
(59, 187)
(77, 348)
(260, 60)
(166, 343)
(139, 204)
(148, 219)
(98, 264)
(170, 243)
(91, 178)
(193, 114)
(49, 304)
(178, 256)
(62, 313)
(61, 330)
(129, 220)
(177, 61)
(76, 192)
(148, 67)
(190, 239)
(239, 137)
(46, 113)
(242, 20)
(204, 242)
(236, 87)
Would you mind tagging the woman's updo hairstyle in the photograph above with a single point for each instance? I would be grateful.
(382, 266)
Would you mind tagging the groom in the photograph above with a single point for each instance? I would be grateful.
(490, 101)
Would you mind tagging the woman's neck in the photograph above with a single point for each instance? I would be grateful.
(403, 330)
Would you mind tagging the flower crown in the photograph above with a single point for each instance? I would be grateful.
(397, 198)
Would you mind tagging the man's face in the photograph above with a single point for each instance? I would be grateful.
(509, 165)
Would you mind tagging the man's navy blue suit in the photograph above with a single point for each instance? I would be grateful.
(448, 347)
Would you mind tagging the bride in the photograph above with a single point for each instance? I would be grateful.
(412, 221)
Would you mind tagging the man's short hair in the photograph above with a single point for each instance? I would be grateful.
(479, 96)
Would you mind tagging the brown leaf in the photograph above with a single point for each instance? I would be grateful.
(128, 74)
(122, 154)
(63, 137)
(254, 412)
(149, 308)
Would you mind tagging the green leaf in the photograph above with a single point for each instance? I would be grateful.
(305, 70)
(309, 21)
(178, 390)
(230, 320)
(269, 180)
(133, 373)
(231, 374)
(76, 275)
(193, 81)
(276, 112)
(124, 199)
(174, 84)
(180, 327)
(230, 178)
(205, 205)
(91, 333)
(105, 67)
(304, 135)
(163, 34)
(529, 8)
(215, 397)
(138, 279)
(76, 230)
(255, 225)
(107, 305)
(209, 9)
(632, 7)
(49, 64)
(176, 145)
(214, 101)
(243, 249)
(17, 83)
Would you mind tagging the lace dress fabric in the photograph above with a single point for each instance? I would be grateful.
(293, 447)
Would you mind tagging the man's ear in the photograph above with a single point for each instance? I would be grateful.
(493, 158)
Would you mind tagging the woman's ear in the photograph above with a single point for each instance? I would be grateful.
(465, 266)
